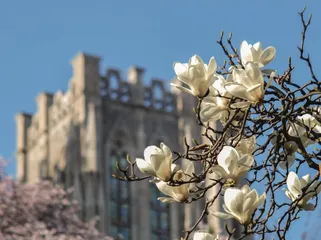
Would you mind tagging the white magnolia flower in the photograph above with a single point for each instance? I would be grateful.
(248, 85)
(197, 75)
(254, 53)
(203, 235)
(246, 146)
(216, 104)
(240, 204)
(177, 193)
(311, 122)
(158, 162)
(231, 166)
(295, 186)
(290, 147)
(299, 131)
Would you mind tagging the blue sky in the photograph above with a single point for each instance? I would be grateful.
(39, 38)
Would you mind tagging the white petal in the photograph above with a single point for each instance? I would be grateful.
(222, 215)
(181, 193)
(241, 105)
(211, 69)
(228, 159)
(289, 195)
(149, 151)
(257, 200)
(258, 47)
(312, 191)
(245, 189)
(229, 78)
(196, 60)
(240, 76)
(218, 86)
(197, 74)
(174, 168)
(254, 73)
(233, 199)
(164, 188)
(166, 200)
(211, 112)
(294, 184)
(261, 199)
(305, 180)
(181, 71)
(183, 89)
(161, 166)
(245, 163)
(245, 52)
(166, 150)
(237, 90)
(154, 180)
(267, 55)
(252, 195)
(203, 235)
(145, 167)
(253, 88)
(220, 171)
(248, 204)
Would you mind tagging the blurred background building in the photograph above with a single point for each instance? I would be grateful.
(76, 137)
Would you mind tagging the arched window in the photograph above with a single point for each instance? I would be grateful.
(159, 216)
(119, 199)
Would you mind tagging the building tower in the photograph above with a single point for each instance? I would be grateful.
(76, 137)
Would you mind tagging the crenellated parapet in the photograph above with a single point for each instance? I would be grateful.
(48, 128)
(134, 91)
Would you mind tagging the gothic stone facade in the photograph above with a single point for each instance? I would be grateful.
(76, 137)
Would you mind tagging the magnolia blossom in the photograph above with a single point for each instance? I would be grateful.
(177, 193)
(216, 104)
(290, 147)
(248, 85)
(240, 204)
(299, 131)
(295, 186)
(310, 122)
(203, 235)
(231, 165)
(246, 146)
(254, 53)
(158, 162)
(196, 75)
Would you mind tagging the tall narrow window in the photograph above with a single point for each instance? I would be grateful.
(43, 169)
(159, 216)
(119, 199)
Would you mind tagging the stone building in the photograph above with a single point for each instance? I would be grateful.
(76, 137)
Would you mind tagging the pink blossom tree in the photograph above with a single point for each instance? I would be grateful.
(40, 211)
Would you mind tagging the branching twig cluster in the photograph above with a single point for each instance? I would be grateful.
(269, 122)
